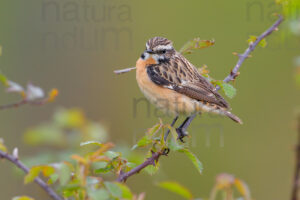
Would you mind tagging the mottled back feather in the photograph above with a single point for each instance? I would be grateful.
(180, 75)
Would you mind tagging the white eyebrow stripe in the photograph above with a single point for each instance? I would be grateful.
(147, 46)
(162, 47)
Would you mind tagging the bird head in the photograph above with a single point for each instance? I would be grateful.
(158, 48)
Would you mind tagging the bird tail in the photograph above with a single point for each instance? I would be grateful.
(233, 117)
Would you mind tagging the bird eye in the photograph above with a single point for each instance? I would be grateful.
(163, 51)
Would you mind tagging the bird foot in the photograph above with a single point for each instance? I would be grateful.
(181, 134)
(165, 151)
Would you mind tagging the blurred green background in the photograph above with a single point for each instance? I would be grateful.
(46, 43)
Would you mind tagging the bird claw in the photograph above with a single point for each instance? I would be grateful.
(166, 151)
(181, 134)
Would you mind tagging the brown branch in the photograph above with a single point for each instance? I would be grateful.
(234, 73)
(15, 160)
(23, 102)
(122, 71)
(150, 161)
(297, 167)
(242, 57)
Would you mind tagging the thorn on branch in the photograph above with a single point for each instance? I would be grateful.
(234, 75)
(237, 54)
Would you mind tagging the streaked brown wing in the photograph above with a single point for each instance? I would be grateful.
(180, 75)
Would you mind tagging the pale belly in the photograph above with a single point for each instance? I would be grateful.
(166, 99)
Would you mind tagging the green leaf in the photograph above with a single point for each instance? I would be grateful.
(148, 138)
(114, 189)
(100, 194)
(32, 174)
(154, 129)
(194, 159)
(2, 146)
(105, 169)
(90, 143)
(176, 188)
(151, 170)
(253, 38)
(142, 142)
(53, 178)
(174, 145)
(64, 174)
(126, 193)
(3, 79)
(194, 44)
(36, 170)
(263, 43)
(22, 198)
(48, 170)
(112, 154)
(229, 90)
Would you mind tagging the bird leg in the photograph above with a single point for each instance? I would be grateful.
(172, 124)
(181, 130)
(167, 150)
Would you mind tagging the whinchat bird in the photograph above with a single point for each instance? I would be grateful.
(174, 85)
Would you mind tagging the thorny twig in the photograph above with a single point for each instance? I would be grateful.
(23, 102)
(15, 160)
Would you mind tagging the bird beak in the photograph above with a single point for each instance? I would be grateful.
(149, 51)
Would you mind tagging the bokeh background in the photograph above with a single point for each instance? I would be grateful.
(44, 42)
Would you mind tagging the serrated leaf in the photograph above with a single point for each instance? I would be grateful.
(194, 159)
(22, 198)
(176, 188)
(114, 189)
(194, 44)
(142, 142)
(32, 174)
(154, 129)
(229, 90)
(173, 145)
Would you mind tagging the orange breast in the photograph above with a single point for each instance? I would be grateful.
(166, 99)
